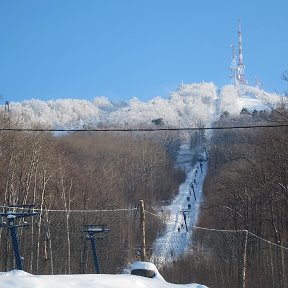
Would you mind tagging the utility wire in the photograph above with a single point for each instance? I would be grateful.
(144, 129)
(70, 211)
(237, 231)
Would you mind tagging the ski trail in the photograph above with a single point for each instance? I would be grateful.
(176, 239)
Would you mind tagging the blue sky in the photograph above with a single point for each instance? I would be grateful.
(135, 48)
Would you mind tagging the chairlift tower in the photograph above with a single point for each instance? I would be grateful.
(91, 232)
(12, 224)
(184, 213)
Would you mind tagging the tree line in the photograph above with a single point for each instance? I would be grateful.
(246, 187)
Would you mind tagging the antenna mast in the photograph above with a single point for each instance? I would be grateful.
(241, 66)
(233, 66)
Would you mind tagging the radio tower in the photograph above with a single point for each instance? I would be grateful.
(234, 67)
(241, 66)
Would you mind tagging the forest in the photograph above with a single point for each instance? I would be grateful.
(71, 178)
(248, 173)
(246, 190)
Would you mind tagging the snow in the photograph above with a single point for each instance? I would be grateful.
(21, 279)
(188, 106)
(176, 239)
(233, 100)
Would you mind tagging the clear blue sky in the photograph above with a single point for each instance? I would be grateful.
(124, 48)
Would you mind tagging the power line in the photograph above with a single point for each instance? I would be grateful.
(241, 231)
(143, 129)
(73, 210)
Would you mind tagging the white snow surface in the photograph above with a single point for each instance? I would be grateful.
(190, 105)
(21, 279)
(176, 240)
(233, 100)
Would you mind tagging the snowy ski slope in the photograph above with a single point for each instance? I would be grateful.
(176, 239)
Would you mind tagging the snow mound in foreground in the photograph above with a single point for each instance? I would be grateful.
(15, 273)
(15, 279)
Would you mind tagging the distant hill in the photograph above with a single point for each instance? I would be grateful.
(188, 106)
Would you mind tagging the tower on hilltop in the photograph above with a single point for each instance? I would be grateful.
(234, 67)
(237, 68)
(241, 66)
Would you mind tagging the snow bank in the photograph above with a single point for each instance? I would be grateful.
(21, 279)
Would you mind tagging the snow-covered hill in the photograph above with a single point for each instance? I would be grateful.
(233, 100)
(188, 106)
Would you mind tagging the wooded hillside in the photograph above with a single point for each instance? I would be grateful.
(246, 187)
(80, 171)
(245, 205)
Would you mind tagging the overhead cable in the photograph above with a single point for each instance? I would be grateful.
(143, 129)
